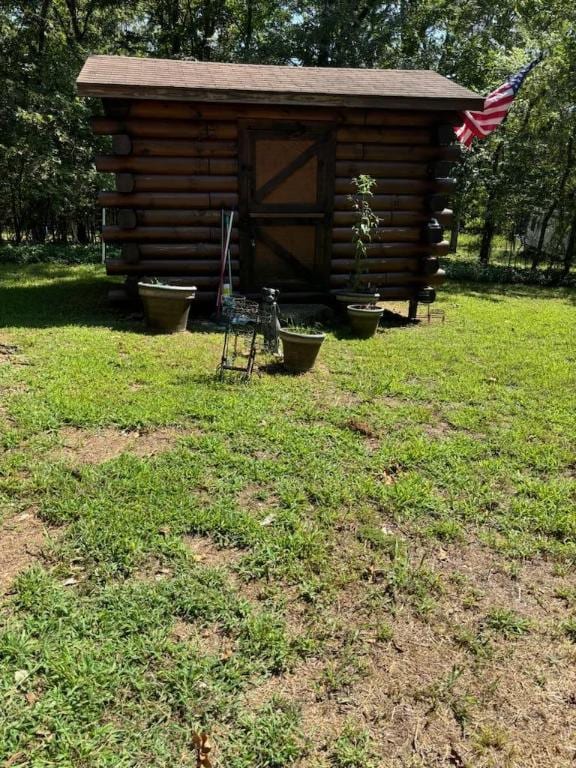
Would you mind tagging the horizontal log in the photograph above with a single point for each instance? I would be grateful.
(440, 169)
(410, 136)
(382, 235)
(200, 266)
(445, 217)
(395, 218)
(126, 218)
(158, 183)
(152, 267)
(348, 266)
(432, 232)
(124, 183)
(385, 203)
(430, 265)
(177, 218)
(400, 186)
(131, 253)
(179, 166)
(121, 144)
(386, 291)
(390, 117)
(396, 153)
(393, 249)
(438, 278)
(168, 269)
(381, 168)
(444, 134)
(386, 277)
(215, 200)
(436, 203)
(113, 234)
(165, 129)
(179, 110)
(179, 148)
(116, 108)
(181, 251)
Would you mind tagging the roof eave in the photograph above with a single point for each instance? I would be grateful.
(170, 93)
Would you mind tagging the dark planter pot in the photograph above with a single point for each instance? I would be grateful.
(347, 296)
(364, 320)
(166, 306)
(300, 349)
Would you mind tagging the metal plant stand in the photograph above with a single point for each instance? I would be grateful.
(245, 319)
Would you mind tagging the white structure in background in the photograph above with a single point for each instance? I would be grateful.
(555, 240)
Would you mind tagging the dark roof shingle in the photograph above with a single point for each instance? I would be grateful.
(118, 76)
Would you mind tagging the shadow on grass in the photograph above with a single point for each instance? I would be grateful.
(45, 295)
(48, 295)
(498, 292)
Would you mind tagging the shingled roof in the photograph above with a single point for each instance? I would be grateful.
(138, 78)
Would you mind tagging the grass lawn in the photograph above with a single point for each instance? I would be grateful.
(371, 566)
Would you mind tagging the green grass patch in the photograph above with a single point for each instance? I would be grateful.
(471, 438)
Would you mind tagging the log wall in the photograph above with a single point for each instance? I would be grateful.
(175, 166)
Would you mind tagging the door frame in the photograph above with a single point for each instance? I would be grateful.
(254, 212)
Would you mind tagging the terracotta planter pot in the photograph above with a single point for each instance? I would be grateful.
(364, 320)
(347, 296)
(300, 349)
(166, 306)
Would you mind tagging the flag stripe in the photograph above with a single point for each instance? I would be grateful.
(496, 107)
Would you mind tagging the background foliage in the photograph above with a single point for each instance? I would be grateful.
(47, 179)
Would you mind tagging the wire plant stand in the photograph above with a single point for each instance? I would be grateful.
(245, 319)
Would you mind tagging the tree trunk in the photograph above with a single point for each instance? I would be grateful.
(488, 231)
(570, 248)
(537, 258)
(553, 205)
(454, 232)
(489, 227)
(248, 30)
(325, 32)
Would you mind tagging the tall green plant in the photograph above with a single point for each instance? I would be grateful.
(366, 224)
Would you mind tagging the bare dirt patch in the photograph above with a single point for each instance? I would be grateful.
(259, 501)
(210, 638)
(438, 430)
(83, 446)
(427, 697)
(365, 430)
(8, 351)
(21, 540)
(206, 552)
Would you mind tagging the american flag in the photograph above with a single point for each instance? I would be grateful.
(496, 108)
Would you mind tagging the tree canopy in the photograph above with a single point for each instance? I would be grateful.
(47, 179)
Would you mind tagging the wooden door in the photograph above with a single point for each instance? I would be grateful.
(286, 198)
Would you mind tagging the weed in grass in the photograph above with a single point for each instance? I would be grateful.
(377, 538)
(269, 738)
(340, 674)
(475, 643)
(568, 595)
(384, 633)
(353, 748)
(491, 737)
(506, 623)
(569, 628)
(445, 530)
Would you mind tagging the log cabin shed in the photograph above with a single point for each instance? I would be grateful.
(279, 145)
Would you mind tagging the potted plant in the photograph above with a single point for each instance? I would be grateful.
(300, 345)
(363, 313)
(166, 306)
(363, 230)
